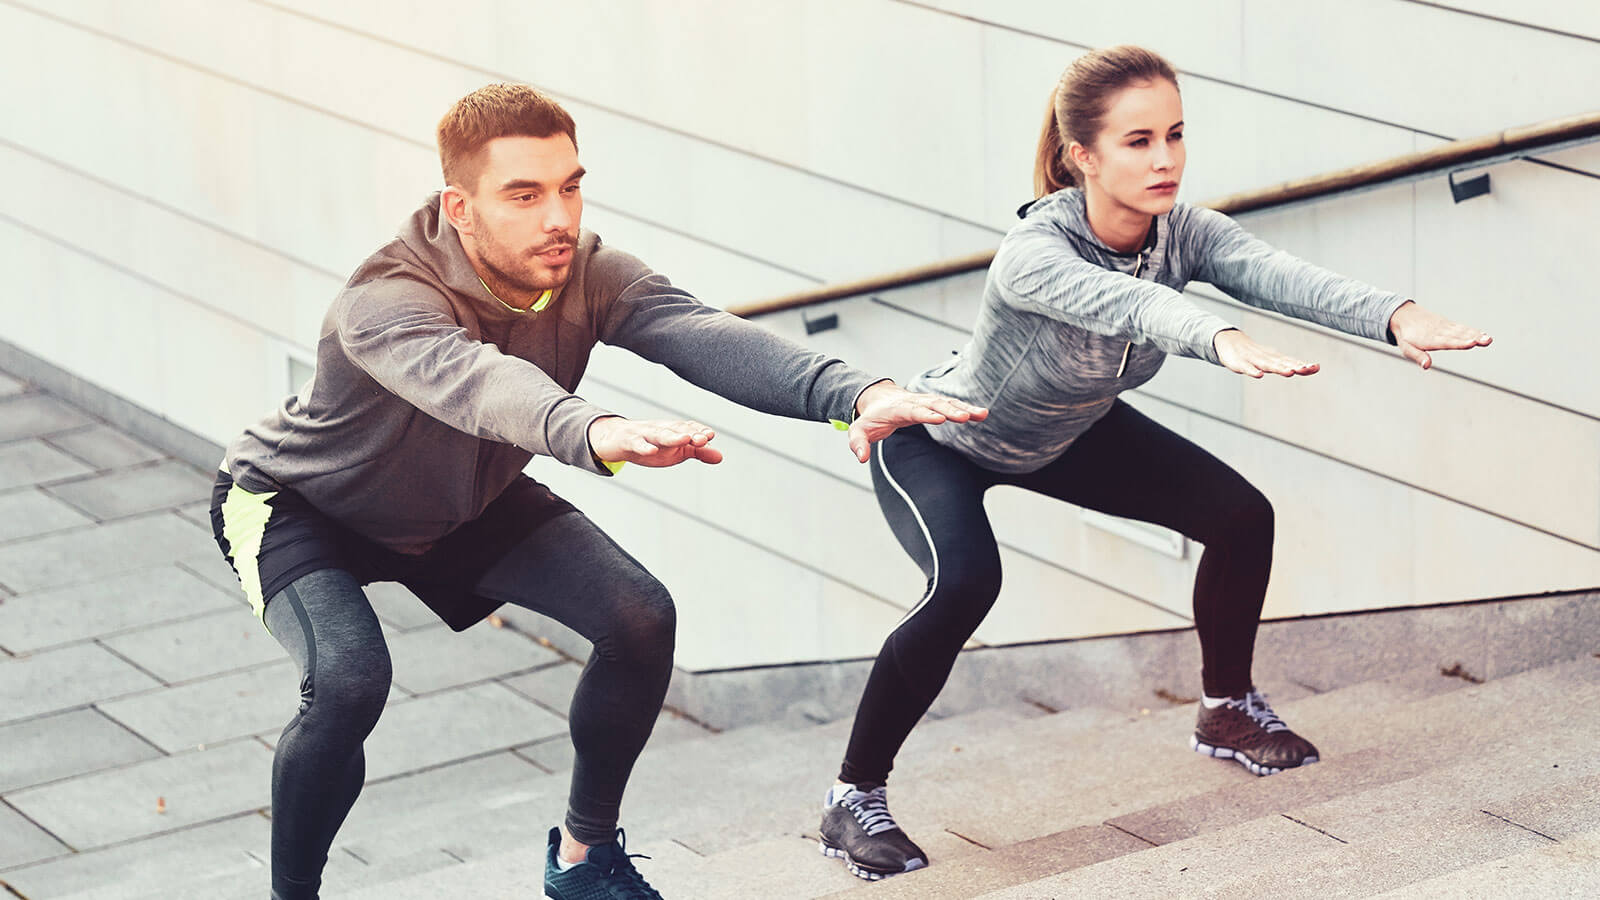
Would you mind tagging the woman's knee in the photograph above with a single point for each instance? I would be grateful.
(1247, 517)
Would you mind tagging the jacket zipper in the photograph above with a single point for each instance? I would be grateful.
(1138, 267)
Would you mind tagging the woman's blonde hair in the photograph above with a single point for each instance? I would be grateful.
(1079, 103)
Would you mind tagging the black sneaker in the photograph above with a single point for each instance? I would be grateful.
(606, 874)
(857, 827)
(1247, 730)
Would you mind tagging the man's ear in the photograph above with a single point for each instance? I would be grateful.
(1082, 158)
(457, 207)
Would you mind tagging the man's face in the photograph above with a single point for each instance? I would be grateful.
(525, 212)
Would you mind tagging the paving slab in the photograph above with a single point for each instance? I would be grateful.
(197, 513)
(518, 874)
(555, 754)
(29, 462)
(211, 568)
(54, 680)
(109, 605)
(672, 728)
(48, 748)
(206, 645)
(152, 864)
(1020, 863)
(212, 710)
(26, 513)
(125, 492)
(1570, 869)
(433, 659)
(104, 447)
(398, 607)
(33, 414)
(23, 842)
(432, 795)
(197, 786)
(454, 725)
(550, 687)
(87, 554)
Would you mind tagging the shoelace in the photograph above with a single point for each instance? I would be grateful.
(1254, 705)
(633, 885)
(871, 809)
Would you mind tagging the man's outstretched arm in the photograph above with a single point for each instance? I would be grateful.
(758, 369)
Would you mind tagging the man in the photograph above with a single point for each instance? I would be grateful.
(445, 364)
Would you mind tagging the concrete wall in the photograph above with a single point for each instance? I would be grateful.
(191, 181)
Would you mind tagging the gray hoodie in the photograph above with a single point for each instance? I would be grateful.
(430, 396)
(1067, 323)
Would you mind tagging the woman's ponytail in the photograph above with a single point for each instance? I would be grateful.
(1050, 170)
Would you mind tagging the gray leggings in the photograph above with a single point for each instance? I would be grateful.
(568, 570)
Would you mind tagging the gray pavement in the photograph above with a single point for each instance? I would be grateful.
(140, 699)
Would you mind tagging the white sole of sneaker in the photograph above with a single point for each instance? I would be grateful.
(865, 874)
(1255, 768)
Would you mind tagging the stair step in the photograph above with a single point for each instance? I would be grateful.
(1227, 861)
(989, 870)
(1570, 868)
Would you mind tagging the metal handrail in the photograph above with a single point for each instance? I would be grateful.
(1508, 143)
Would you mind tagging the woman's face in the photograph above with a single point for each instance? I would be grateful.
(1137, 159)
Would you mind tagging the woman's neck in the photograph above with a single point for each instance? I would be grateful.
(1119, 227)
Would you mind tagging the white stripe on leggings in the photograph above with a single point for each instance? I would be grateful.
(933, 583)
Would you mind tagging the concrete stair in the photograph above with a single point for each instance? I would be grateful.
(1431, 786)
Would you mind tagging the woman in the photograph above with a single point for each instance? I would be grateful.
(1084, 301)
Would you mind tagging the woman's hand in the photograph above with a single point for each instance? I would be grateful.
(885, 407)
(1238, 353)
(1417, 330)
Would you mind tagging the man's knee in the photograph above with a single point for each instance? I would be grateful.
(644, 624)
(351, 689)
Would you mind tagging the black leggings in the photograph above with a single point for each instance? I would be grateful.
(1125, 465)
(569, 570)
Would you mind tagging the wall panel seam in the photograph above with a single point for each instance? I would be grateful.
(622, 114)
(1445, 7)
(258, 244)
(145, 279)
(1212, 79)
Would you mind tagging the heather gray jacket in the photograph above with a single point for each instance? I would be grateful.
(1061, 311)
(430, 396)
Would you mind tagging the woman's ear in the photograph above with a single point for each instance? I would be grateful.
(1082, 158)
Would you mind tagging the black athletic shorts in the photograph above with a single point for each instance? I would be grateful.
(271, 539)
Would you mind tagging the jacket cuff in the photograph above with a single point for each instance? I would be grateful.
(567, 434)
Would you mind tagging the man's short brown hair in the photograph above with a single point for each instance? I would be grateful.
(495, 111)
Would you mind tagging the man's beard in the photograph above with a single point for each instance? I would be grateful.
(498, 260)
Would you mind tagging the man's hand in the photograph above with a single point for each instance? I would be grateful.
(655, 444)
(886, 406)
(1417, 330)
(1238, 353)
